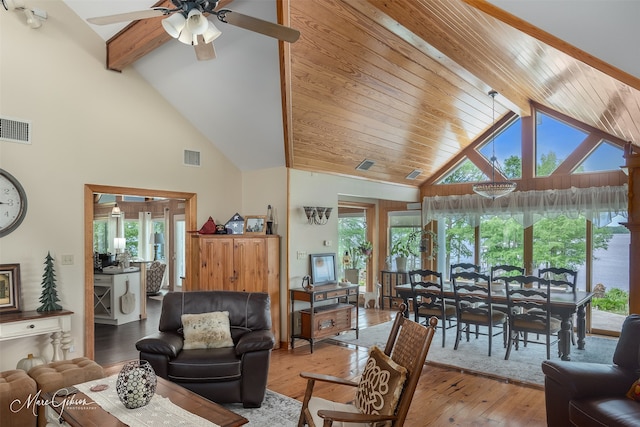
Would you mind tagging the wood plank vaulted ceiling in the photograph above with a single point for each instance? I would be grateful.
(405, 83)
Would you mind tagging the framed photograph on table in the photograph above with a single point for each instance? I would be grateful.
(256, 224)
(9, 288)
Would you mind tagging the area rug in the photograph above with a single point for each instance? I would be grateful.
(523, 365)
(276, 410)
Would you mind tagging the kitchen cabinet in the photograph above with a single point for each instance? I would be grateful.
(116, 297)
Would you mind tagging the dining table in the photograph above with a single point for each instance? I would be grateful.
(563, 304)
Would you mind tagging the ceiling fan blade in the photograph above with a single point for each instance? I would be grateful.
(129, 16)
(259, 26)
(204, 51)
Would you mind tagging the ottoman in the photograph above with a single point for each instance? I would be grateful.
(16, 387)
(64, 373)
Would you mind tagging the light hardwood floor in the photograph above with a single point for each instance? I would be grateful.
(444, 397)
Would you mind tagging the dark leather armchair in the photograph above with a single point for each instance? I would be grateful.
(593, 394)
(224, 375)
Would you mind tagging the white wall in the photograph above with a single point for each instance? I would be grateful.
(316, 189)
(91, 126)
(259, 190)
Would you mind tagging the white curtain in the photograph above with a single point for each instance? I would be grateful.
(145, 247)
(598, 204)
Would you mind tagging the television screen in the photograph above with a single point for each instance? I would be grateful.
(323, 268)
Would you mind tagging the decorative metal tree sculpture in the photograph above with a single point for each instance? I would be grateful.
(49, 296)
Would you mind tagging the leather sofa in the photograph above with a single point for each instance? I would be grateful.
(235, 374)
(594, 394)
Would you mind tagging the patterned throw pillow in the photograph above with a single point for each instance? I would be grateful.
(206, 330)
(380, 385)
(634, 391)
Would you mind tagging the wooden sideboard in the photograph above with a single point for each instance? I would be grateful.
(328, 319)
(31, 323)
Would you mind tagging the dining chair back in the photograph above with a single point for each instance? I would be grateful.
(506, 270)
(472, 292)
(462, 267)
(562, 279)
(430, 300)
(529, 303)
(407, 346)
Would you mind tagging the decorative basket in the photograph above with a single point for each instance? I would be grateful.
(136, 384)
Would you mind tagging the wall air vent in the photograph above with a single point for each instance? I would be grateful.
(191, 158)
(12, 130)
(414, 174)
(365, 165)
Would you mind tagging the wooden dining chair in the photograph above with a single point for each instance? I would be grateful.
(380, 397)
(506, 270)
(430, 301)
(561, 280)
(474, 306)
(530, 312)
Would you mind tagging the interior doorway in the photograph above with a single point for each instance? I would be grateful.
(189, 200)
(356, 226)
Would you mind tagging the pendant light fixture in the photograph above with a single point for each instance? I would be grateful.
(494, 189)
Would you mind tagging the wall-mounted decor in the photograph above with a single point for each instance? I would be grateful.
(9, 288)
(255, 224)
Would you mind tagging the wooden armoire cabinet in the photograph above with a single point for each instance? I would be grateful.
(237, 262)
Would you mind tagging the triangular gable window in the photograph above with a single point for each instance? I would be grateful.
(555, 140)
(464, 172)
(508, 150)
(606, 157)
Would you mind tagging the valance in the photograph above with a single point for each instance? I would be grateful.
(598, 204)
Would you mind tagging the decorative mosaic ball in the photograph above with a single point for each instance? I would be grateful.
(136, 384)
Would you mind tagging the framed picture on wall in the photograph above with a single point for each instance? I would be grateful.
(9, 288)
(255, 224)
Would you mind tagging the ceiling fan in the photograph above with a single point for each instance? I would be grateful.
(187, 23)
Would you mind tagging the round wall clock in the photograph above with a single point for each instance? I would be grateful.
(13, 203)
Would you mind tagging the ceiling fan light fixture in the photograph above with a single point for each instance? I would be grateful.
(174, 24)
(212, 33)
(186, 37)
(197, 23)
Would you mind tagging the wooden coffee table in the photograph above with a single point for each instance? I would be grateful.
(180, 396)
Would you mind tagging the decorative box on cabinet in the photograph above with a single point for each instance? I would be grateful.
(335, 315)
(236, 262)
(107, 292)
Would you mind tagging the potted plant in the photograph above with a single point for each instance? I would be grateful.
(366, 248)
(403, 248)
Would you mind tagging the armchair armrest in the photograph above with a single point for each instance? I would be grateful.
(582, 379)
(255, 341)
(328, 379)
(165, 343)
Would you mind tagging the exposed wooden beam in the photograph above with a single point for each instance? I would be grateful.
(139, 38)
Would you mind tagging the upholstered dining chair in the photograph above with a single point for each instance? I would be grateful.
(530, 311)
(386, 386)
(474, 306)
(430, 301)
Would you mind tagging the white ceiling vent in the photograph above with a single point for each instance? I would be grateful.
(414, 174)
(13, 130)
(365, 165)
(191, 158)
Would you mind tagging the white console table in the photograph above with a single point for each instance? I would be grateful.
(30, 323)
